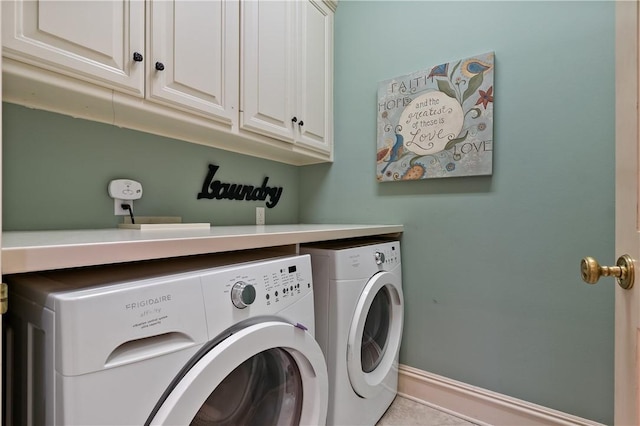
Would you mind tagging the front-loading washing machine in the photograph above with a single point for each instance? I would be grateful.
(168, 343)
(359, 317)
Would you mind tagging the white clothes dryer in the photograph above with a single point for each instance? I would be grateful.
(359, 317)
(168, 343)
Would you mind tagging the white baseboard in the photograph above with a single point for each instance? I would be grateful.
(478, 405)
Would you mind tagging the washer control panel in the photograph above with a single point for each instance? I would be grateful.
(285, 284)
(258, 288)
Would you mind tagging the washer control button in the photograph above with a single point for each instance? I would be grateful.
(242, 294)
(379, 256)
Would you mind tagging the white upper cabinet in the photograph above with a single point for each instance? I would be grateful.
(182, 69)
(287, 71)
(315, 100)
(268, 68)
(94, 41)
(190, 57)
(193, 52)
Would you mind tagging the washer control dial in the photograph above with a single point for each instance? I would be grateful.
(379, 256)
(242, 294)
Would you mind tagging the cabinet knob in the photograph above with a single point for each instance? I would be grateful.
(137, 57)
(301, 123)
(159, 66)
(294, 120)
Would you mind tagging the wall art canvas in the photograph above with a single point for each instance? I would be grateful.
(437, 122)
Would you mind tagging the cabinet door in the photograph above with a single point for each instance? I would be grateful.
(89, 40)
(197, 43)
(267, 68)
(315, 90)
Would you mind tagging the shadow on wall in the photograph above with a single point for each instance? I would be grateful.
(454, 185)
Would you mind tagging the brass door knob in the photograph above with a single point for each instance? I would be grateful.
(624, 271)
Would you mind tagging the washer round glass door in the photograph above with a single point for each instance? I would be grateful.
(269, 373)
(375, 334)
(265, 389)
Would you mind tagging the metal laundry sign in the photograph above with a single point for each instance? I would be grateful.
(215, 189)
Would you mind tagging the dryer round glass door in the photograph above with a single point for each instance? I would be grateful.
(375, 334)
(266, 374)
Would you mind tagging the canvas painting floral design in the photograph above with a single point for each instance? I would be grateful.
(437, 122)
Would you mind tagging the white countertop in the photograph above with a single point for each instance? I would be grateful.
(26, 251)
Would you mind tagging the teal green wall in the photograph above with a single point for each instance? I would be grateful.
(490, 267)
(491, 264)
(56, 170)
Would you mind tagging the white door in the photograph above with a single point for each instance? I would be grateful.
(627, 324)
(193, 56)
(375, 334)
(1, 360)
(93, 41)
(268, 373)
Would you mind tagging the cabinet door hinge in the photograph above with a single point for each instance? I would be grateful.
(4, 298)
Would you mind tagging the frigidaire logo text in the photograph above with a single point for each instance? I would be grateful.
(148, 302)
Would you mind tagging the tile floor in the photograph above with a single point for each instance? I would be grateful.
(405, 412)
